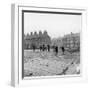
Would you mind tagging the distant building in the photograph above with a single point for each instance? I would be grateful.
(72, 41)
(36, 40)
(57, 42)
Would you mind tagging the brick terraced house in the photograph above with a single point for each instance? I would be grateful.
(71, 42)
(36, 40)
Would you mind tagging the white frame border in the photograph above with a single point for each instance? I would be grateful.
(16, 52)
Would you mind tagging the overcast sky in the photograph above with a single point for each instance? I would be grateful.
(56, 25)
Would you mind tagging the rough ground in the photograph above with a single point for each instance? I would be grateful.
(46, 63)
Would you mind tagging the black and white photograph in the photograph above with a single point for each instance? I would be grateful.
(51, 43)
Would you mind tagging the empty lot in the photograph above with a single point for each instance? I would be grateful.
(46, 63)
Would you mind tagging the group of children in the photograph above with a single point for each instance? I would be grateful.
(48, 47)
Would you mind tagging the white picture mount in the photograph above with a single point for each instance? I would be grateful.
(17, 45)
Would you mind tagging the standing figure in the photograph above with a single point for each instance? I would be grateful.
(40, 47)
(63, 49)
(34, 47)
(56, 50)
(48, 48)
(43, 47)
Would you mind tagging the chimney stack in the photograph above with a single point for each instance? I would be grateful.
(35, 33)
(31, 33)
(40, 33)
(45, 32)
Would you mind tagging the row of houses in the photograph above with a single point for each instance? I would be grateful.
(69, 42)
(36, 39)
